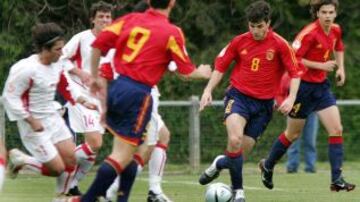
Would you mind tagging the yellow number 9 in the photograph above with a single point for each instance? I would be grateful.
(255, 63)
(137, 38)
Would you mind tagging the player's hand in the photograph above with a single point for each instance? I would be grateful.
(35, 124)
(95, 85)
(205, 70)
(85, 78)
(329, 66)
(287, 105)
(206, 100)
(340, 77)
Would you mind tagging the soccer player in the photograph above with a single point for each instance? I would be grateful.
(261, 56)
(28, 99)
(153, 150)
(314, 45)
(308, 139)
(82, 119)
(145, 43)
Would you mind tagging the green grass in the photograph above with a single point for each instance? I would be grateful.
(182, 187)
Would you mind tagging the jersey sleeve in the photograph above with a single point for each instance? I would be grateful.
(226, 56)
(177, 50)
(291, 63)
(302, 45)
(16, 92)
(339, 45)
(107, 38)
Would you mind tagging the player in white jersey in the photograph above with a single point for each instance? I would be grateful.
(153, 150)
(28, 96)
(81, 119)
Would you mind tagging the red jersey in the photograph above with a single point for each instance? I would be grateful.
(259, 64)
(312, 43)
(145, 43)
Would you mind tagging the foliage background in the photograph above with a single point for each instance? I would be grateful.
(208, 26)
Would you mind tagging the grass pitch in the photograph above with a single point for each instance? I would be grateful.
(181, 186)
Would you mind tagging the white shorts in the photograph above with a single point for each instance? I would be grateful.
(41, 145)
(156, 122)
(83, 120)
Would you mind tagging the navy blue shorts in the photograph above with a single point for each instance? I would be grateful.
(312, 97)
(129, 109)
(257, 112)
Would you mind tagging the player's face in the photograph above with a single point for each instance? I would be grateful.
(55, 51)
(259, 29)
(101, 20)
(326, 15)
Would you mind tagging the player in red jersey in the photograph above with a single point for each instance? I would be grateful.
(145, 43)
(261, 57)
(314, 45)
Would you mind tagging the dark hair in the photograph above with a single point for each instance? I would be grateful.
(258, 11)
(315, 5)
(160, 4)
(45, 35)
(141, 6)
(100, 6)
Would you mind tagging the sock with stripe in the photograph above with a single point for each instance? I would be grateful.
(156, 168)
(278, 150)
(105, 176)
(336, 155)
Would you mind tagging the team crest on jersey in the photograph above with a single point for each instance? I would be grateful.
(319, 46)
(270, 54)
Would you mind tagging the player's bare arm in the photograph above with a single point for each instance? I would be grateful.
(328, 66)
(206, 97)
(340, 72)
(288, 103)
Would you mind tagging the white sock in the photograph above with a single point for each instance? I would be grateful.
(64, 180)
(156, 168)
(86, 159)
(111, 193)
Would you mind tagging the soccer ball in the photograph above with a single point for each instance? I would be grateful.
(218, 192)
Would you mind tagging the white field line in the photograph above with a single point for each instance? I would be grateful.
(197, 184)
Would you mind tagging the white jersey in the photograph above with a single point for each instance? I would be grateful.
(78, 50)
(30, 88)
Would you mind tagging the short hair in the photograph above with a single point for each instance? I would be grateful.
(258, 11)
(45, 35)
(141, 6)
(100, 6)
(159, 4)
(315, 5)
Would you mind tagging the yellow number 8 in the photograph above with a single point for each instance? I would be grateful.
(137, 38)
(255, 63)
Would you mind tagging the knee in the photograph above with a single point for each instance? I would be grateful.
(57, 170)
(95, 144)
(336, 130)
(293, 136)
(164, 138)
(235, 141)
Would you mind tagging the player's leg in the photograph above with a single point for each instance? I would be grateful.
(157, 164)
(120, 157)
(330, 118)
(124, 184)
(66, 152)
(85, 121)
(279, 148)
